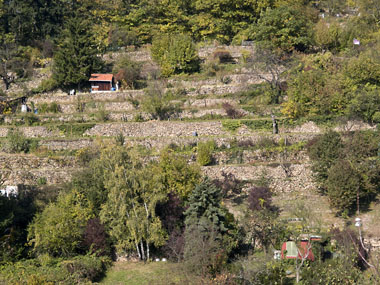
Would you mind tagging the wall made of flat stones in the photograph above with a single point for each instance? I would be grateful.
(63, 98)
(66, 144)
(300, 179)
(157, 129)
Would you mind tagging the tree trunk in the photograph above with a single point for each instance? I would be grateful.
(275, 125)
(297, 270)
(142, 250)
(6, 83)
(147, 251)
(138, 250)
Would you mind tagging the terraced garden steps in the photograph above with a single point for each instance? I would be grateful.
(27, 169)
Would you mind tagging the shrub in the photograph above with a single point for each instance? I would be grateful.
(228, 184)
(120, 36)
(210, 68)
(323, 151)
(46, 85)
(30, 119)
(266, 143)
(259, 198)
(231, 125)
(205, 150)
(231, 111)
(80, 105)
(48, 108)
(58, 230)
(246, 143)
(86, 268)
(365, 105)
(204, 253)
(175, 53)
(48, 270)
(16, 142)
(138, 118)
(376, 117)
(41, 181)
(120, 139)
(95, 238)
(127, 72)
(84, 155)
(75, 129)
(343, 184)
(101, 114)
(222, 56)
(158, 103)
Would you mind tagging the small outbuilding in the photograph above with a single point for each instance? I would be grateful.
(102, 82)
(290, 250)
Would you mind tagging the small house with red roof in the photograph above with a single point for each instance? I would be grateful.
(290, 250)
(102, 82)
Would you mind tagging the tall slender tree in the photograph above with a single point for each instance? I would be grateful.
(76, 57)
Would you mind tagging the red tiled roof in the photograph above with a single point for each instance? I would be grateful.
(101, 77)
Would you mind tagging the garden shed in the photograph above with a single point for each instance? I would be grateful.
(289, 250)
(102, 82)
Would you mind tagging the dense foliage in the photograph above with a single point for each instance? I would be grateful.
(345, 168)
(316, 60)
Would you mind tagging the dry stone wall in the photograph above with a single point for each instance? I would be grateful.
(63, 98)
(300, 178)
(26, 169)
(235, 51)
(157, 129)
(66, 144)
(259, 156)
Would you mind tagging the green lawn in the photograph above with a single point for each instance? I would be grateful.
(149, 273)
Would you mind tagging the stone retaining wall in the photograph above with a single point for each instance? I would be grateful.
(66, 145)
(259, 156)
(299, 180)
(22, 161)
(63, 98)
(157, 129)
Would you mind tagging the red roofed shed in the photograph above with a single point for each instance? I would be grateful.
(290, 250)
(101, 82)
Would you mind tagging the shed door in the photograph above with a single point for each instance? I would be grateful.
(104, 86)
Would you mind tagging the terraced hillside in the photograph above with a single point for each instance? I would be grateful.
(245, 143)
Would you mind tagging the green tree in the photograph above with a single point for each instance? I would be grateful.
(205, 204)
(129, 212)
(204, 253)
(13, 62)
(324, 151)
(222, 20)
(365, 104)
(284, 29)
(346, 170)
(16, 212)
(127, 72)
(175, 54)
(364, 69)
(344, 183)
(204, 152)
(260, 222)
(209, 224)
(34, 20)
(16, 142)
(316, 87)
(328, 35)
(59, 229)
(175, 175)
(76, 57)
